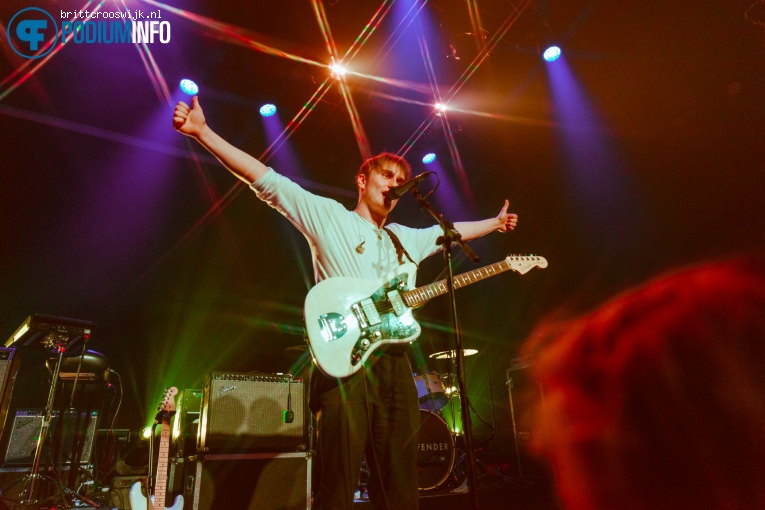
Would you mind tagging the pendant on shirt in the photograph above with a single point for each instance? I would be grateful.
(360, 247)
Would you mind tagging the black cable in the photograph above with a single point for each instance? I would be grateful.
(289, 415)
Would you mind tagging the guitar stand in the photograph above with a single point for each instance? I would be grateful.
(27, 498)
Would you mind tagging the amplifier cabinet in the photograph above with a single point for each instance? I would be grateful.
(265, 481)
(70, 439)
(186, 422)
(525, 394)
(8, 368)
(246, 413)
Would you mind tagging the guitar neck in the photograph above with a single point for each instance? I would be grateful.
(160, 487)
(417, 297)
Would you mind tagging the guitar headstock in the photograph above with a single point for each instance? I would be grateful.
(167, 404)
(525, 263)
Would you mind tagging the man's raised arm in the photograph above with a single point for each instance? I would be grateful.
(191, 122)
(503, 222)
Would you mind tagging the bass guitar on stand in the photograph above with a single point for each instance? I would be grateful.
(138, 501)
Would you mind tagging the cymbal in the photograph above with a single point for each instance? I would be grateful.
(295, 351)
(452, 353)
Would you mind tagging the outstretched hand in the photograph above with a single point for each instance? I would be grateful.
(507, 221)
(189, 121)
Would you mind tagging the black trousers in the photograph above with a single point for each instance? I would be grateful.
(374, 413)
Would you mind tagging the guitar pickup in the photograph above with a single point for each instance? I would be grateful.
(397, 302)
(366, 313)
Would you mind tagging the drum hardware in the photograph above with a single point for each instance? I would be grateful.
(295, 351)
(361, 493)
(459, 474)
(434, 391)
(57, 335)
(430, 391)
(452, 354)
(452, 416)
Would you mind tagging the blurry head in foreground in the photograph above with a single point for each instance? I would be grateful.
(657, 399)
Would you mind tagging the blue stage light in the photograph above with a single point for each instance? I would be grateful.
(189, 87)
(267, 110)
(428, 158)
(551, 54)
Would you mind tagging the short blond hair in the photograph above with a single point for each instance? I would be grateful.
(376, 163)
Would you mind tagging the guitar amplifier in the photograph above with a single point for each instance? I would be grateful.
(8, 368)
(247, 413)
(524, 395)
(71, 436)
(186, 421)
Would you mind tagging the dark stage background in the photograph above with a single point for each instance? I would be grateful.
(641, 149)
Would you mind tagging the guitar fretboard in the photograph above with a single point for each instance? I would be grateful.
(420, 295)
(160, 487)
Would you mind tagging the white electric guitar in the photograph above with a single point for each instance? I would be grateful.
(348, 318)
(138, 500)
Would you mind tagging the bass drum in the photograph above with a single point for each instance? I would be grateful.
(435, 451)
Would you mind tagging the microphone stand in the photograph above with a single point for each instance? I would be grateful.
(450, 237)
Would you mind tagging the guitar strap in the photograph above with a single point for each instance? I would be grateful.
(400, 250)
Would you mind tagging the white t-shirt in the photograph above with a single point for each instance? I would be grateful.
(334, 233)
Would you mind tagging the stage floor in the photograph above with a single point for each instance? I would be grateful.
(518, 494)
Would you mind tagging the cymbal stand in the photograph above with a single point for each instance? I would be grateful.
(454, 391)
(452, 236)
(27, 500)
(497, 472)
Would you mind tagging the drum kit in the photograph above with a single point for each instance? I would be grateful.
(440, 423)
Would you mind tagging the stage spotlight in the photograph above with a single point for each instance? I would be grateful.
(440, 107)
(551, 54)
(429, 158)
(146, 433)
(268, 110)
(189, 87)
(337, 70)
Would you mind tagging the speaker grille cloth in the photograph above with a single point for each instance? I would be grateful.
(74, 437)
(246, 413)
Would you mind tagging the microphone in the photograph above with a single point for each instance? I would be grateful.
(397, 191)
